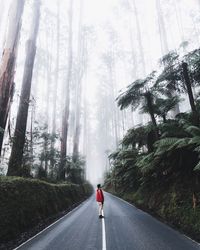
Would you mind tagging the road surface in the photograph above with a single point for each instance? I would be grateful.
(123, 228)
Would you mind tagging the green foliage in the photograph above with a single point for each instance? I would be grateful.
(171, 157)
(27, 202)
(155, 157)
(136, 137)
(124, 172)
(75, 169)
(172, 128)
(136, 92)
(193, 60)
(1, 130)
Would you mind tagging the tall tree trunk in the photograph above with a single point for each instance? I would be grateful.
(56, 69)
(7, 67)
(64, 133)
(188, 86)
(148, 97)
(162, 29)
(76, 136)
(190, 93)
(78, 94)
(49, 38)
(112, 89)
(55, 83)
(164, 118)
(179, 19)
(66, 92)
(139, 37)
(14, 167)
(140, 46)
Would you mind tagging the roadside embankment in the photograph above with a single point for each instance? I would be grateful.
(26, 202)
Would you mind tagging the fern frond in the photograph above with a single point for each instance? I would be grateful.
(181, 143)
(197, 167)
(195, 140)
(164, 145)
(193, 130)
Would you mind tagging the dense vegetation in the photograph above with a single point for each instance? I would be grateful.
(157, 165)
(27, 202)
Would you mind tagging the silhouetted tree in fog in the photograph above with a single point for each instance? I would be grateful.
(14, 167)
(66, 102)
(7, 68)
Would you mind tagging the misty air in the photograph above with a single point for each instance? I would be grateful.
(100, 100)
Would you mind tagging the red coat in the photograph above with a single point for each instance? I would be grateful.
(99, 195)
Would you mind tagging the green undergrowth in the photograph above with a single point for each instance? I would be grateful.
(26, 202)
(172, 204)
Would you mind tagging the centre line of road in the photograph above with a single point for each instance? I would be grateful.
(103, 233)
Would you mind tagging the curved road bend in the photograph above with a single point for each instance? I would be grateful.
(126, 228)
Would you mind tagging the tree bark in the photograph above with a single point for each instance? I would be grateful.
(66, 92)
(78, 94)
(56, 69)
(188, 86)
(151, 112)
(56, 80)
(162, 29)
(139, 37)
(7, 68)
(14, 166)
(190, 93)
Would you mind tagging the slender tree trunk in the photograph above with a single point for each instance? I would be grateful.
(14, 167)
(134, 55)
(56, 80)
(65, 115)
(64, 135)
(139, 37)
(188, 86)
(31, 135)
(78, 94)
(162, 29)
(56, 69)
(7, 68)
(76, 137)
(179, 20)
(164, 119)
(114, 111)
(190, 93)
(151, 112)
(49, 38)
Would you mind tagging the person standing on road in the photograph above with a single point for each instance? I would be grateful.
(100, 199)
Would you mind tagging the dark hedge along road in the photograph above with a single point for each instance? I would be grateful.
(123, 227)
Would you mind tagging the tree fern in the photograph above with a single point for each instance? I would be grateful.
(193, 130)
(197, 167)
(164, 145)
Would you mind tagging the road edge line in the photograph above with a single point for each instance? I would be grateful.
(154, 218)
(51, 225)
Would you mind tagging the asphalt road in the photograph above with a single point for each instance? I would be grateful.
(123, 228)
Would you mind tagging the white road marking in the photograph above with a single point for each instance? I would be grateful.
(103, 233)
(51, 225)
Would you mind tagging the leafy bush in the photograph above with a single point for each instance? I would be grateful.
(26, 202)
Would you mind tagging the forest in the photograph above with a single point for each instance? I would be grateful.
(100, 93)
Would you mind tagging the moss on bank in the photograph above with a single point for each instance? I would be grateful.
(26, 202)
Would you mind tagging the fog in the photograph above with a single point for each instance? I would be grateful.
(87, 52)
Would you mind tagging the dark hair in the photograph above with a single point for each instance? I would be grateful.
(98, 185)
